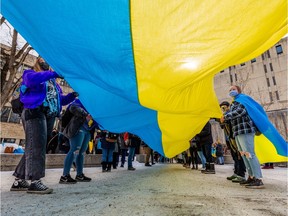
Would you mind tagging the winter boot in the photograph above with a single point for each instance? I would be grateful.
(109, 167)
(104, 166)
(211, 169)
(207, 167)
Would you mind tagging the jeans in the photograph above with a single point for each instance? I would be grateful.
(78, 142)
(220, 160)
(37, 127)
(123, 156)
(202, 158)
(107, 155)
(131, 155)
(245, 144)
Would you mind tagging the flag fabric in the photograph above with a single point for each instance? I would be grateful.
(147, 67)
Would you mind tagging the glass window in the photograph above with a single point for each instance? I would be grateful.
(9, 140)
(242, 64)
(271, 67)
(5, 114)
(271, 97)
(265, 68)
(14, 118)
(253, 60)
(274, 80)
(277, 95)
(279, 49)
(231, 78)
(262, 56)
(268, 53)
(235, 77)
(268, 82)
(222, 71)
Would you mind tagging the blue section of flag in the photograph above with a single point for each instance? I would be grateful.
(92, 50)
(259, 117)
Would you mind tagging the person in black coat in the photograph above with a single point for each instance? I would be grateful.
(205, 140)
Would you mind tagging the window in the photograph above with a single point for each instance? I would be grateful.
(279, 49)
(222, 71)
(271, 97)
(253, 60)
(268, 82)
(5, 114)
(277, 95)
(274, 80)
(271, 67)
(231, 78)
(242, 64)
(262, 56)
(235, 77)
(9, 140)
(268, 53)
(265, 68)
(8, 116)
(14, 118)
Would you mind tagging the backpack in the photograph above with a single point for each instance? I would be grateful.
(17, 105)
(65, 118)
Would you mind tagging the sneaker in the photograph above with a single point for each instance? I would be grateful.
(67, 179)
(256, 184)
(131, 168)
(38, 187)
(238, 179)
(248, 181)
(122, 165)
(20, 185)
(232, 177)
(147, 164)
(82, 178)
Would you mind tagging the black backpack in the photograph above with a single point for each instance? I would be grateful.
(65, 118)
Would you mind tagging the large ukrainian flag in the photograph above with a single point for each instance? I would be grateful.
(147, 67)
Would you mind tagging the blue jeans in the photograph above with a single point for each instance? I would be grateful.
(220, 160)
(78, 142)
(202, 158)
(107, 155)
(245, 144)
(37, 127)
(131, 155)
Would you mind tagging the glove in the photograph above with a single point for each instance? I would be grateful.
(75, 94)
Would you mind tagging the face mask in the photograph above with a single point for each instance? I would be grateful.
(44, 66)
(233, 93)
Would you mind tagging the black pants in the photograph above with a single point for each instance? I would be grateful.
(239, 166)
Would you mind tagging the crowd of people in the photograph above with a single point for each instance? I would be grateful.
(42, 100)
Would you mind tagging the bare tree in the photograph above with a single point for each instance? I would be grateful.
(12, 58)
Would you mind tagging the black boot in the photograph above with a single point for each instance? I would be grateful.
(109, 167)
(207, 167)
(104, 166)
(211, 169)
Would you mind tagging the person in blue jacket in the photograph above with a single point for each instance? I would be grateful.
(42, 99)
(78, 132)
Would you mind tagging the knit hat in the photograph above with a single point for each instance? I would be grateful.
(225, 103)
